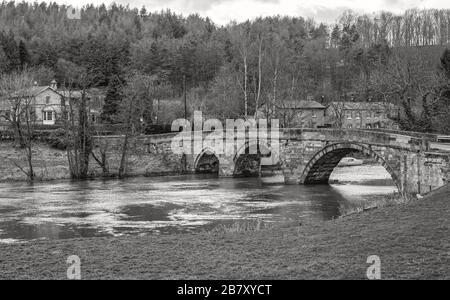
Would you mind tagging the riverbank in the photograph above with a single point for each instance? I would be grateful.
(412, 241)
(52, 164)
(48, 163)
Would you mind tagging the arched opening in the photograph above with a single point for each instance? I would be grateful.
(248, 162)
(207, 163)
(324, 162)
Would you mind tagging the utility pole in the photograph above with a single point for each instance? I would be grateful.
(185, 97)
(185, 117)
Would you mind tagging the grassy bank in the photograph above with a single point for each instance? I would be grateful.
(412, 241)
(52, 164)
(48, 163)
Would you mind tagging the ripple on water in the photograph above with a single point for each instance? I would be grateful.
(170, 204)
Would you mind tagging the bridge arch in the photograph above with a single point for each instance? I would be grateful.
(207, 161)
(259, 144)
(250, 163)
(319, 168)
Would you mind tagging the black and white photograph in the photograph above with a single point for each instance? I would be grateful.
(223, 147)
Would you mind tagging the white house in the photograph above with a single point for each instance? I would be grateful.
(47, 103)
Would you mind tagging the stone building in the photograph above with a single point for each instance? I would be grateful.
(47, 104)
(298, 113)
(362, 115)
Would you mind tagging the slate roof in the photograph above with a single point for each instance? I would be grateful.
(300, 104)
(363, 105)
(33, 91)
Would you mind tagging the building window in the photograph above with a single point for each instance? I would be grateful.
(358, 115)
(349, 115)
(314, 114)
(350, 126)
(47, 100)
(48, 115)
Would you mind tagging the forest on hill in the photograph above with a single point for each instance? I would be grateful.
(232, 70)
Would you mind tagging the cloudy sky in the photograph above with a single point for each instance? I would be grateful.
(224, 11)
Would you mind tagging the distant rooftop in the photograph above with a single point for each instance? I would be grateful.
(363, 105)
(37, 89)
(32, 91)
(300, 104)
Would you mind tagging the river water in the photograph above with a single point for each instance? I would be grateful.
(164, 205)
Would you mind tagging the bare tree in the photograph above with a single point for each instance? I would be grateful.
(77, 81)
(259, 43)
(15, 89)
(140, 91)
(102, 159)
(338, 114)
(240, 36)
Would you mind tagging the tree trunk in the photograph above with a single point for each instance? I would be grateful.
(245, 87)
(125, 142)
(123, 158)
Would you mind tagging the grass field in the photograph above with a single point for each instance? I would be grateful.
(412, 241)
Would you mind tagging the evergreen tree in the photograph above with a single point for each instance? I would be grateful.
(24, 56)
(445, 62)
(112, 100)
(335, 36)
(4, 62)
(11, 51)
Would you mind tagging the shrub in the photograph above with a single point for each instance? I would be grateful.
(57, 139)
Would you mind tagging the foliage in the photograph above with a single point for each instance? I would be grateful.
(57, 139)
(241, 67)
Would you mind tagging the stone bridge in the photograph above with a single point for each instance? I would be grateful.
(309, 156)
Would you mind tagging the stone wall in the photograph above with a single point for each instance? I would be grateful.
(305, 156)
(145, 156)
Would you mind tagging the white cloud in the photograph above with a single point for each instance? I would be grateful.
(223, 11)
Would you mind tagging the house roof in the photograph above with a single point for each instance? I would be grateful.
(71, 94)
(300, 104)
(36, 90)
(363, 105)
(32, 91)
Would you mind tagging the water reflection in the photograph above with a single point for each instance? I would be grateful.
(171, 204)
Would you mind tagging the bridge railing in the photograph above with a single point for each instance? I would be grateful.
(426, 136)
(408, 140)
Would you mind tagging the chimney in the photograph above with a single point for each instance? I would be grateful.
(53, 84)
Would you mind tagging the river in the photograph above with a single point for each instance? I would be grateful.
(165, 205)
